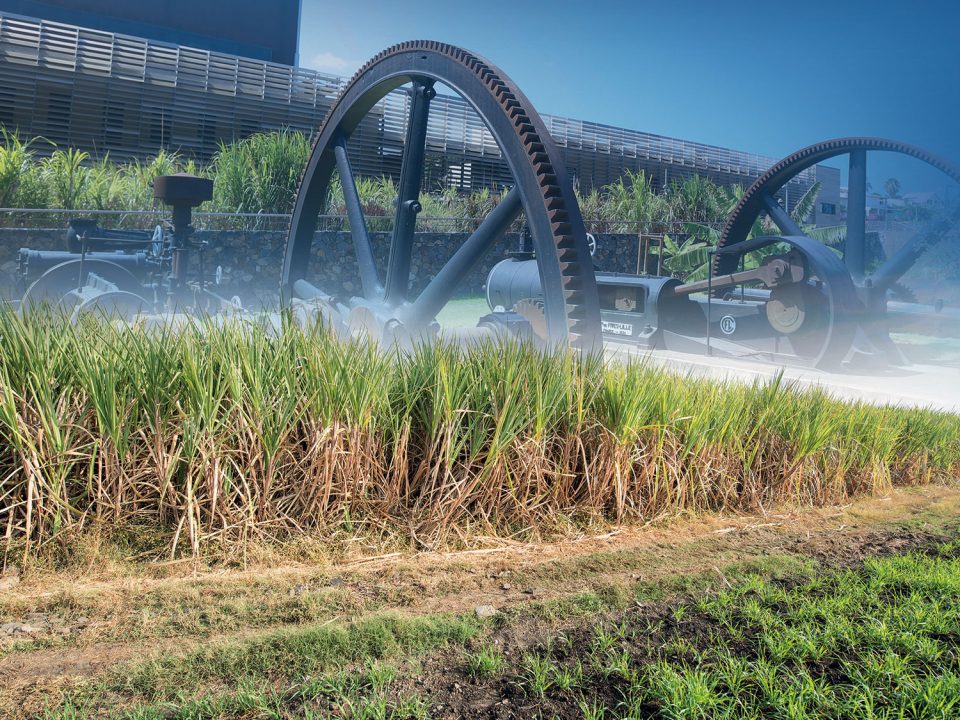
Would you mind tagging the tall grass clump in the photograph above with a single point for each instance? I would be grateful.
(260, 174)
(216, 435)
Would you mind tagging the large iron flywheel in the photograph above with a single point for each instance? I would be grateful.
(541, 190)
(760, 196)
(855, 294)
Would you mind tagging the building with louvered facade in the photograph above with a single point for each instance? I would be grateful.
(264, 30)
(107, 92)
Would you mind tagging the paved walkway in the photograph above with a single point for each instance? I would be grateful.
(916, 386)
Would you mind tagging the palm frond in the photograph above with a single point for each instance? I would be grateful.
(806, 203)
(832, 235)
(689, 260)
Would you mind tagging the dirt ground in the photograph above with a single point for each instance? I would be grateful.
(80, 625)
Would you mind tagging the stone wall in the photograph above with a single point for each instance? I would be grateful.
(251, 260)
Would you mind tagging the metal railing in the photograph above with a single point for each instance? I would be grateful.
(59, 218)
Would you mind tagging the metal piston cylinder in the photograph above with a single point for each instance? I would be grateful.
(513, 280)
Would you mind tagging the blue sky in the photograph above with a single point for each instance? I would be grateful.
(768, 77)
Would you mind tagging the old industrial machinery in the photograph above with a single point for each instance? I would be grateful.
(801, 318)
(801, 304)
(123, 272)
(542, 192)
(872, 302)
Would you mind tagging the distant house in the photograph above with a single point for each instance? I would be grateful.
(876, 205)
(923, 199)
(881, 207)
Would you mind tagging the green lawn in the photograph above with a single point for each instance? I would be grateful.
(463, 312)
(928, 349)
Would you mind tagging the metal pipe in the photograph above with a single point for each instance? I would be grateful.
(307, 291)
(709, 304)
(33, 263)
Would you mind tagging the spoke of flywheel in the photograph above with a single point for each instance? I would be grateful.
(781, 218)
(453, 274)
(408, 204)
(369, 278)
(855, 243)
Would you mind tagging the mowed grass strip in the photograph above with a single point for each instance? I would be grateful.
(878, 641)
(207, 438)
(339, 668)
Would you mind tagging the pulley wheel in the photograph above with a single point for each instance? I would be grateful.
(787, 308)
(110, 305)
(845, 311)
(801, 313)
(56, 287)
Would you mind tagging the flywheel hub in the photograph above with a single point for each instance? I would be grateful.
(787, 308)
